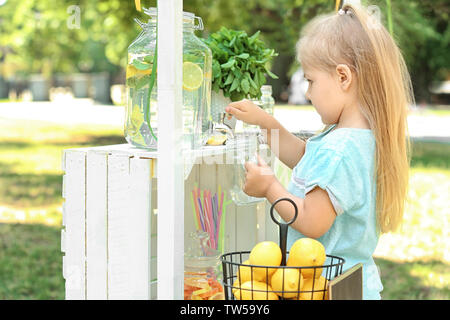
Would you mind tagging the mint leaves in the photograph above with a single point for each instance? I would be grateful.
(141, 65)
(239, 63)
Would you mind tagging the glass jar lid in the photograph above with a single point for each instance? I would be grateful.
(188, 18)
(267, 89)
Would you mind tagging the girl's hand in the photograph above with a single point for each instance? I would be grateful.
(247, 111)
(258, 179)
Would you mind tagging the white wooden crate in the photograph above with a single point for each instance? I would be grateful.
(110, 219)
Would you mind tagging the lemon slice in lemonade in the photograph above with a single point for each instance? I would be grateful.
(132, 71)
(192, 76)
(137, 118)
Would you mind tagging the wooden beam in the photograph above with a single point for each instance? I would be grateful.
(170, 263)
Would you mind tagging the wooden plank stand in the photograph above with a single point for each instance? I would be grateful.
(110, 219)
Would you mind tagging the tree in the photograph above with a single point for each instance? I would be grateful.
(421, 30)
(34, 36)
(39, 38)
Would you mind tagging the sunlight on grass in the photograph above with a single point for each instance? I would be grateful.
(31, 166)
(46, 215)
(418, 280)
(30, 130)
(438, 110)
(431, 276)
(425, 231)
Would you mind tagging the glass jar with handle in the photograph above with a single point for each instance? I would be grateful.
(141, 120)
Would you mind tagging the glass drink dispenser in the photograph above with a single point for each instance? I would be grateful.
(141, 121)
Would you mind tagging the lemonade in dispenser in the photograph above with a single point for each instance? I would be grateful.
(141, 120)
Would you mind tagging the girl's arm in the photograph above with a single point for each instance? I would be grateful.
(287, 147)
(316, 213)
(290, 149)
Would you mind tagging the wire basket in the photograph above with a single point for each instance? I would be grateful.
(313, 288)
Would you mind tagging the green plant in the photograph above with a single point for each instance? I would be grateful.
(240, 63)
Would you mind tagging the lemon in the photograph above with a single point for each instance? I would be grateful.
(265, 253)
(255, 290)
(132, 71)
(320, 289)
(245, 273)
(137, 117)
(289, 281)
(192, 76)
(216, 140)
(236, 286)
(307, 252)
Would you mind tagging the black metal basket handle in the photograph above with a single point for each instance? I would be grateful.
(283, 227)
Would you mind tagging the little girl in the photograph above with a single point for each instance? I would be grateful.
(350, 181)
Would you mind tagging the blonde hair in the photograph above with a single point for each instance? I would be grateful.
(355, 38)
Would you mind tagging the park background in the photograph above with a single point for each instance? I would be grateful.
(62, 74)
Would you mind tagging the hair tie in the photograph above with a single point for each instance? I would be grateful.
(341, 12)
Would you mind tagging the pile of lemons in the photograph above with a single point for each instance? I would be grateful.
(264, 283)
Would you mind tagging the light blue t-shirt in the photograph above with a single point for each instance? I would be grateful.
(341, 162)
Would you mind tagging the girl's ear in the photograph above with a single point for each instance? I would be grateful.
(344, 76)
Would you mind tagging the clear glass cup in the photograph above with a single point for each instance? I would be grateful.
(246, 147)
(141, 121)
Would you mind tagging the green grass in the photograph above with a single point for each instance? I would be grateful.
(30, 262)
(413, 262)
(30, 165)
(30, 203)
(417, 280)
(438, 111)
(430, 154)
